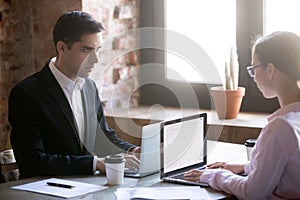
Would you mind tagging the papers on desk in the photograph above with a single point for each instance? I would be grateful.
(78, 188)
(180, 193)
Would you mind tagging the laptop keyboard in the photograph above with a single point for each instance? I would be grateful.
(178, 176)
(131, 171)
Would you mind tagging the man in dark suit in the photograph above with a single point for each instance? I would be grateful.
(56, 114)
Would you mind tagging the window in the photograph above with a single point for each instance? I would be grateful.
(282, 15)
(209, 24)
(217, 23)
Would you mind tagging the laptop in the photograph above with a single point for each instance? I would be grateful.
(149, 157)
(183, 147)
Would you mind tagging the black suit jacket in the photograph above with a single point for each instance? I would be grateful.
(44, 135)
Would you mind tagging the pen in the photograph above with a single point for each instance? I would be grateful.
(60, 185)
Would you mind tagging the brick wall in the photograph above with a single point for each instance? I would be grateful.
(26, 45)
(116, 75)
(16, 58)
(45, 14)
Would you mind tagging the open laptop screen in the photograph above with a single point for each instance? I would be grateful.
(183, 142)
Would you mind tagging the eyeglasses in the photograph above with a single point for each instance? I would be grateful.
(251, 70)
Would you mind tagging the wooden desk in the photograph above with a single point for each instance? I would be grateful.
(128, 122)
(217, 150)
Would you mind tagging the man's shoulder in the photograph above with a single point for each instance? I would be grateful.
(33, 80)
(27, 87)
(29, 82)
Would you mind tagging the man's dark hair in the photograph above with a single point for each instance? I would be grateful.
(72, 25)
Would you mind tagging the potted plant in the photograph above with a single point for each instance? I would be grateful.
(228, 98)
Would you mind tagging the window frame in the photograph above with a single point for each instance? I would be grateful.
(250, 24)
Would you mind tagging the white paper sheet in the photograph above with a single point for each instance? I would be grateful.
(42, 187)
(185, 192)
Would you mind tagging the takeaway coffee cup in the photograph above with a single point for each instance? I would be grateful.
(114, 166)
(249, 146)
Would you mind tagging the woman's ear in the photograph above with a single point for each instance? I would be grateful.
(271, 70)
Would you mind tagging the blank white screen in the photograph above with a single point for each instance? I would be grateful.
(183, 144)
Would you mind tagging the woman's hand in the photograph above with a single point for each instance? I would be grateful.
(234, 168)
(193, 175)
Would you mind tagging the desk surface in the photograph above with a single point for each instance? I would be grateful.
(217, 151)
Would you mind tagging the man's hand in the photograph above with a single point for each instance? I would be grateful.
(135, 151)
(131, 162)
(234, 168)
(100, 165)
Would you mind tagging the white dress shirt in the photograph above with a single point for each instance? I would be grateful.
(72, 91)
(274, 167)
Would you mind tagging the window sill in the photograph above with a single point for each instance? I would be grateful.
(130, 121)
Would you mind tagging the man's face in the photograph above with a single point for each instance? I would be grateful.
(83, 55)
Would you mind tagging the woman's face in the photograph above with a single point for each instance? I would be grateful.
(263, 78)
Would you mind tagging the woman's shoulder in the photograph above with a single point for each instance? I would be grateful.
(290, 119)
(284, 128)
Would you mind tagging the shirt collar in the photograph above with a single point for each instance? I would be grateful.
(292, 107)
(63, 80)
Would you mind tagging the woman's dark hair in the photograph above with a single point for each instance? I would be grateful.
(72, 25)
(282, 49)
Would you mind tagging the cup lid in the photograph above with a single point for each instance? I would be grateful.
(250, 142)
(114, 159)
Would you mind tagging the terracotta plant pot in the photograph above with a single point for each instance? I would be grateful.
(227, 102)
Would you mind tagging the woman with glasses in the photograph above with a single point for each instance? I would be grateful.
(273, 170)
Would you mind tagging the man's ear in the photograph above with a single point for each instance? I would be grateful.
(61, 47)
(271, 70)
